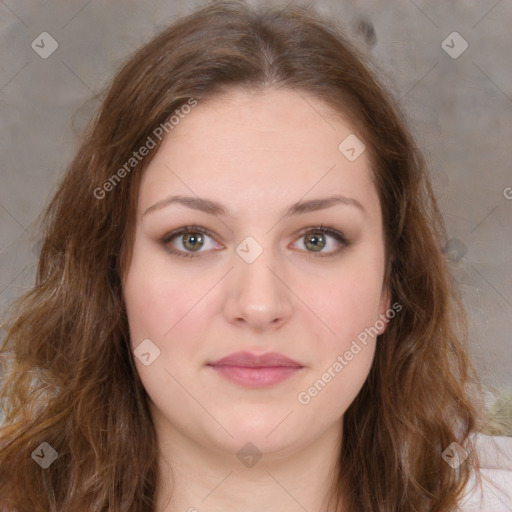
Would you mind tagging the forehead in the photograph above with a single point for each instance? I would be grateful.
(275, 145)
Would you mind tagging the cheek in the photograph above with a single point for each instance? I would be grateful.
(330, 393)
(348, 303)
(163, 309)
(157, 300)
(345, 339)
(343, 357)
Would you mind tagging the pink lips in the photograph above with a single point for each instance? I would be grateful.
(253, 371)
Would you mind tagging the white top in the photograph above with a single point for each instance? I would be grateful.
(494, 494)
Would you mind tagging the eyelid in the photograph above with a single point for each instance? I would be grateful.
(186, 229)
(338, 235)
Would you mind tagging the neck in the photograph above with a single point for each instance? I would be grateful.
(195, 477)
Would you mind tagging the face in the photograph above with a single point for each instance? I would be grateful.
(255, 273)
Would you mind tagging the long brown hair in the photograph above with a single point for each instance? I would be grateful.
(70, 378)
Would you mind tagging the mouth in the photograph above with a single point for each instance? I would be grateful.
(256, 371)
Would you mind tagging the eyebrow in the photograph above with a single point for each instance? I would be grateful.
(218, 209)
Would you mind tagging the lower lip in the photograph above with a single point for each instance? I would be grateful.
(256, 377)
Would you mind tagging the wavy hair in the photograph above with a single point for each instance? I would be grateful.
(70, 378)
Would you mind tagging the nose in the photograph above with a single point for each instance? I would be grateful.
(257, 294)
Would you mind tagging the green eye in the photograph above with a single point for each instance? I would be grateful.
(315, 241)
(193, 239)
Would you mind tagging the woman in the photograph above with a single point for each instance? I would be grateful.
(241, 301)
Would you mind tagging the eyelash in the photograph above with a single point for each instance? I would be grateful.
(327, 230)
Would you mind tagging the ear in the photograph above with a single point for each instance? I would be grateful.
(384, 306)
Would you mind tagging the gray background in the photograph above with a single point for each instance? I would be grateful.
(460, 109)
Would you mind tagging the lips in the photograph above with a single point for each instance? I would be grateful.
(256, 371)
(248, 360)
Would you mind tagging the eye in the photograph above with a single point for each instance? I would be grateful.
(189, 241)
(316, 239)
(188, 238)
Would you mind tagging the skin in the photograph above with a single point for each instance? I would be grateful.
(257, 153)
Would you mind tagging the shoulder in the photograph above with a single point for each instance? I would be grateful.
(492, 490)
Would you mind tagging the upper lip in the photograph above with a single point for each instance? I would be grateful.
(256, 361)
